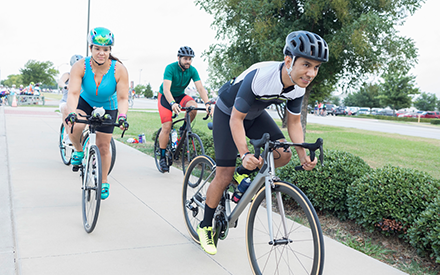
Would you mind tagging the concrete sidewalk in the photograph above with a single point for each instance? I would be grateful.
(140, 228)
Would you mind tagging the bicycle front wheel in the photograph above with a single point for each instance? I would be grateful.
(200, 173)
(193, 147)
(112, 149)
(298, 244)
(65, 150)
(92, 185)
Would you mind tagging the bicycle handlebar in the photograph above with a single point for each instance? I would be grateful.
(268, 144)
(98, 121)
(191, 108)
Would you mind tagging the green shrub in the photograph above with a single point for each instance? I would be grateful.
(391, 198)
(326, 186)
(425, 232)
(208, 143)
(435, 121)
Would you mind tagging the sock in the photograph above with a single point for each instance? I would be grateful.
(162, 152)
(207, 218)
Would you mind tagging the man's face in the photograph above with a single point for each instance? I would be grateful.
(304, 71)
(185, 62)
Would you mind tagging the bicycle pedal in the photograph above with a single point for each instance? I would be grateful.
(75, 168)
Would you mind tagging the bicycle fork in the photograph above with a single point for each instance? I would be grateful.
(269, 185)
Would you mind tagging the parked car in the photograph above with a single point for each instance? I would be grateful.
(364, 111)
(341, 110)
(353, 110)
(386, 112)
(330, 109)
(430, 114)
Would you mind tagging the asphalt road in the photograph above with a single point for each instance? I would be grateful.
(418, 130)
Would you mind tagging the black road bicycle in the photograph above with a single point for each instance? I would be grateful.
(189, 145)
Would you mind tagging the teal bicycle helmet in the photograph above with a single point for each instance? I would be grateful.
(101, 37)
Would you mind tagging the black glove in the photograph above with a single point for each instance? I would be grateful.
(72, 118)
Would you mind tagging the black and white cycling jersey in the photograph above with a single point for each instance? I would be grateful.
(258, 87)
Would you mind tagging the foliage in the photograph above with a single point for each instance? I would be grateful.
(365, 97)
(148, 93)
(360, 35)
(16, 79)
(426, 102)
(326, 186)
(39, 72)
(396, 90)
(424, 234)
(335, 100)
(435, 121)
(390, 199)
(139, 89)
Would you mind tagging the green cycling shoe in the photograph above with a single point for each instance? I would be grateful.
(77, 158)
(105, 191)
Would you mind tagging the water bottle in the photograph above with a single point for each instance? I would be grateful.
(174, 138)
(140, 139)
(143, 138)
(241, 189)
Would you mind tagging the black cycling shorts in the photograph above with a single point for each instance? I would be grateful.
(224, 145)
(84, 106)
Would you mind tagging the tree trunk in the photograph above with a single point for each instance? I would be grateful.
(305, 103)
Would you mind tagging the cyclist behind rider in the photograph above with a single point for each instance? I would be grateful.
(172, 96)
(63, 83)
(240, 112)
(99, 80)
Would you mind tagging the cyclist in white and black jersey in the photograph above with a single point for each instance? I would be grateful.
(240, 112)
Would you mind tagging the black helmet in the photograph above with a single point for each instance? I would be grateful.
(185, 51)
(75, 58)
(306, 44)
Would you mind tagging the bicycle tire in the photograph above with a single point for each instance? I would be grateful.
(303, 253)
(195, 149)
(112, 149)
(66, 153)
(91, 192)
(200, 173)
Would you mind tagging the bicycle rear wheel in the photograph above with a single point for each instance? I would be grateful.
(65, 151)
(193, 147)
(92, 185)
(299, 244)
(112, 149)
(200, 173)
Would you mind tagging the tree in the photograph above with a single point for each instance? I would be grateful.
(367, 96)
(13, 79)
(360, 34)
(148, 93)
(139, 89)
(426, 102)
(39, 72)
(396, 90)
(335, 100)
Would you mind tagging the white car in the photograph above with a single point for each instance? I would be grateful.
(364, 111)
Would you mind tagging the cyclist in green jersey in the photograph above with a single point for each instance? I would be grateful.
(172, 95)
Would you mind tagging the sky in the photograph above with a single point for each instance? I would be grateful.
(148, 35)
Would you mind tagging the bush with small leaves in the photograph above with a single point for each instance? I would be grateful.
(391, 198)
(326, 186)
(424, 234)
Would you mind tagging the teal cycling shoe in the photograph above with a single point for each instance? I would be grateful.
(77, 158)
(105, 191)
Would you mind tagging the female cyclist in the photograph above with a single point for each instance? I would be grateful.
(99, 80)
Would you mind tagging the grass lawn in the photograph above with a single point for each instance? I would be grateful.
(376, 148)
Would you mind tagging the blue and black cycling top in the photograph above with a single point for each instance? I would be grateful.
(257, 88)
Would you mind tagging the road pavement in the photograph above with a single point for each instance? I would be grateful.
(140, 228)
